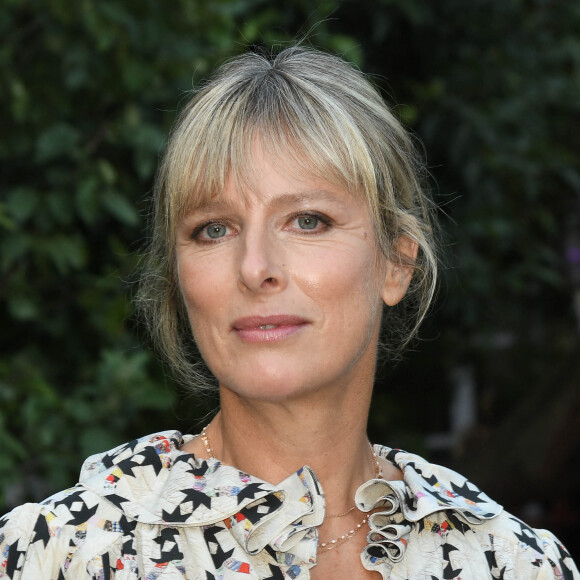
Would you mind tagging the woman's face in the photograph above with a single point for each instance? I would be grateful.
(284, 285)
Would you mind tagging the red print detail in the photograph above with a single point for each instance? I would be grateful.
(163, 445)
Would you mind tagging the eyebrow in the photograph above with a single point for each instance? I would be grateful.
(282, 200)
(292, 198)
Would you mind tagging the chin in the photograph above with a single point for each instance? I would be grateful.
(271, 387)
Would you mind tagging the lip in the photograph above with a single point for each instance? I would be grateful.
(268, 328)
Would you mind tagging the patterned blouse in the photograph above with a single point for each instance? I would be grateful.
(147, 510)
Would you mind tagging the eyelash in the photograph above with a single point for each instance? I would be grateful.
(196, 234)
(323, 219)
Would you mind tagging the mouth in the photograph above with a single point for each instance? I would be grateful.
(268, 328)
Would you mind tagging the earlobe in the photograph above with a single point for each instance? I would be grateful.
(400, 271)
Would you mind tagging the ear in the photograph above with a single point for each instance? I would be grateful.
(400, 271)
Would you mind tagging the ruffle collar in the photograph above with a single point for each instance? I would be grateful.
(152, 481)
(425, 490)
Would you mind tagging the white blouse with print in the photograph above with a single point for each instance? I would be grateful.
(147, 510)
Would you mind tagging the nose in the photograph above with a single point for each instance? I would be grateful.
(261, 268)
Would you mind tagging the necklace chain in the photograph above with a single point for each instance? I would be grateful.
(378, 475)
(332, 516)
(335, 542)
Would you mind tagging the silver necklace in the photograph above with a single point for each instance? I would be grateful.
(335, 542)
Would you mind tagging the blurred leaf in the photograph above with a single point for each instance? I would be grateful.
(21, 203)
(22, 308)
(13, 248)
(65, 252)
(120, 207)
(60, 140)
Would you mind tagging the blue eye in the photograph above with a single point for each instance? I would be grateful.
(307, 222)
(212, 232)
(216, 231)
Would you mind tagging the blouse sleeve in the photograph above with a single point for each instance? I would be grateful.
(16, 529)
(558, 564)
(28, 550)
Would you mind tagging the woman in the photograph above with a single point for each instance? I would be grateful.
(288, 214)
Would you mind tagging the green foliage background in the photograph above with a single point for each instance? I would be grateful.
(89, 91)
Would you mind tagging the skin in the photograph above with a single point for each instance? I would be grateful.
(300, 247)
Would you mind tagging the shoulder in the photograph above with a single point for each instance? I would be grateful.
(512, 544)
(16, 530)
(469, 534)
(39, 540)
(502, 547)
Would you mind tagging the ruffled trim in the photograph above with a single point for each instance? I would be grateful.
(426, 489)
(152, 481)
(389, 533)
(292, 528)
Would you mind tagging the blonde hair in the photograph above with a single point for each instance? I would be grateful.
(319, 116)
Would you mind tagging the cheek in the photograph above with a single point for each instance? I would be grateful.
(202, 284)
(347, 280)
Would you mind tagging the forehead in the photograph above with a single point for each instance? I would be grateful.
(271, 179)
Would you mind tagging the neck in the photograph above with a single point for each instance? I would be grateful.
(271, 440)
